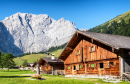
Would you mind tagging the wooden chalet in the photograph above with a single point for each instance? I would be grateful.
(50, 65)
(96, 54)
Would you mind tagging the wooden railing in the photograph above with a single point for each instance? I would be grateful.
(59, 72)
(126, 76)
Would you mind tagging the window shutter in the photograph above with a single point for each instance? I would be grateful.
(90, 49)
(93, 48)
(115, 63)
(95, 65)
(78, 52)
(77, 67)
(82, 66)
(89, 65)
(106, 64)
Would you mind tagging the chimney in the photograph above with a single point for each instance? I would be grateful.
(52, 56)
(47, 53)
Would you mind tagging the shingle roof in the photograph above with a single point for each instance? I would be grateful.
(115, 41)
(49, 60)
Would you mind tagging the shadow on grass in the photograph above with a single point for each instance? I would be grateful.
(38, 79)
(14, 76)
(42, 79)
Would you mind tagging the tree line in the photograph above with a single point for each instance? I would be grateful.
(6, 60)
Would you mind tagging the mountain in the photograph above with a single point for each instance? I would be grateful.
(85, 29)
(120, 25)
(23, 33)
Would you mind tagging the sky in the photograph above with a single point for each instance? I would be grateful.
(84, 13)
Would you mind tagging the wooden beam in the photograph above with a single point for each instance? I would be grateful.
(77, 34)
(112, 49)
(91, 40)
(38, 69)
(69, 48)
(76, 41)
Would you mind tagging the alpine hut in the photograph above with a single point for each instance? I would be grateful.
(50, 65)
(96, 55)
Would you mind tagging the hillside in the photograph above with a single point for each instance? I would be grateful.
(120, 25)
(34, 57)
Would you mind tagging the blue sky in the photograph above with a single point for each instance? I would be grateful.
(84, 13)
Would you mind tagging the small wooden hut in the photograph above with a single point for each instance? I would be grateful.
(96, 54)
(51, 65)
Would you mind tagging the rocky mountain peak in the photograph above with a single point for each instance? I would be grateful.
(34, 33)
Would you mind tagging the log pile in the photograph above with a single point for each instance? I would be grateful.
(36, 76)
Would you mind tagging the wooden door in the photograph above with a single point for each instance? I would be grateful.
(101, 69)
(101, 72)
(74, 72)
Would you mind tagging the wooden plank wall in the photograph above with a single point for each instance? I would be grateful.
(112, 70)
(71, 70)
(102, 53)
(46, 66)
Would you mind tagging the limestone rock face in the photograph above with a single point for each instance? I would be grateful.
(23, 32)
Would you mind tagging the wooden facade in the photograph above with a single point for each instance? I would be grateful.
(85, 55)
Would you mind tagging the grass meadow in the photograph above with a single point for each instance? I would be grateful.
(34, 57)
(15, 76)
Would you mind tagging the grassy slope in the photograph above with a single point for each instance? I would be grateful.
(118, 18)
(124, 16)
(34, 57)
(23, 77)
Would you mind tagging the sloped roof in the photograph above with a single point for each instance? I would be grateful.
(35, 63)
(50, 61)
(114, 41)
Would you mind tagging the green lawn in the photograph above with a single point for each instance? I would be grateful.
(23, 77)
(34, 57)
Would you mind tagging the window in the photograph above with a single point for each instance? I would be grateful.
(80, 66)
(101, 65)
(74, 67)
(111, 63)
(77, 52)
(68, 67)
(92, 49)
(92, 65)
